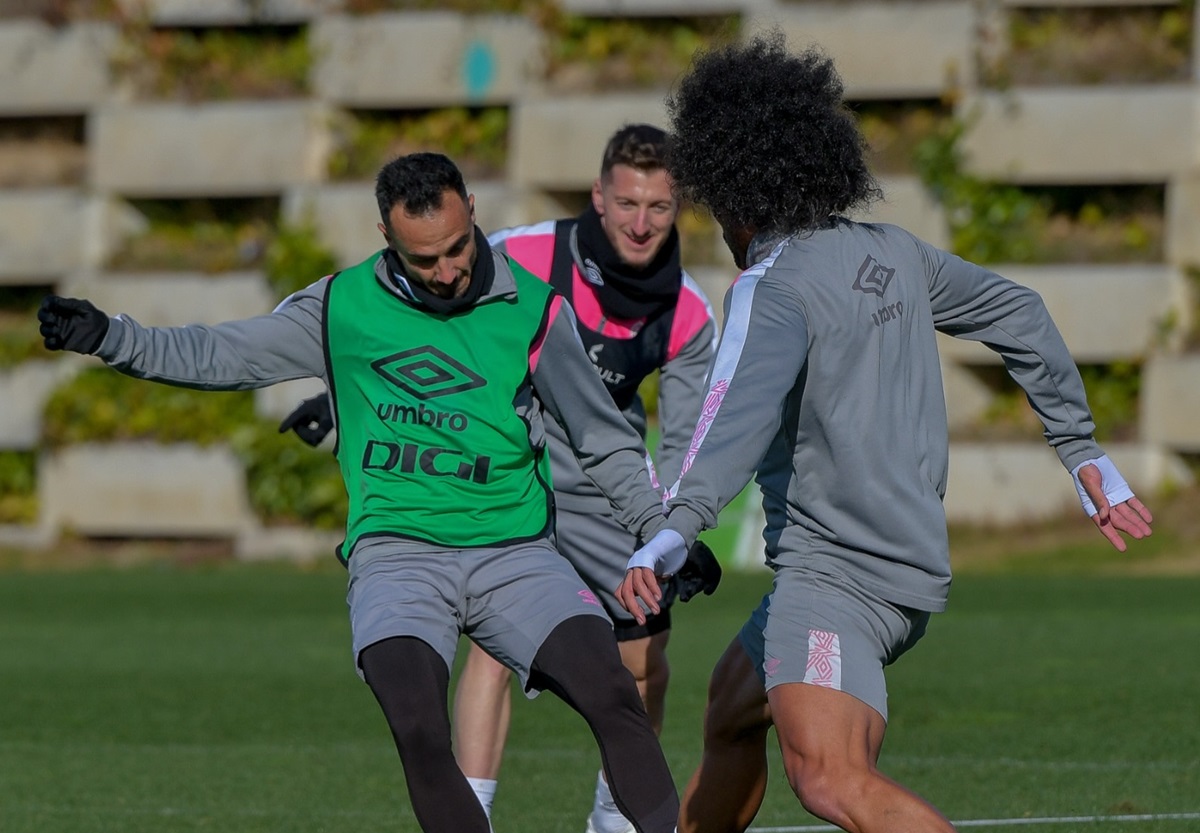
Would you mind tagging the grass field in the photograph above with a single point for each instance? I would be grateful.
(214, 696)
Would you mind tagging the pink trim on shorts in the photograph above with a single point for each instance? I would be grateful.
(824, 666)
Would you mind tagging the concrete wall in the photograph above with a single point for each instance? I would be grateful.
(894, 50)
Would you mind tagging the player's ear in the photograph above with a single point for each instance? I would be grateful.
(598, 196)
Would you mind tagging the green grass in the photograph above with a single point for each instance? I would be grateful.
(221, 697)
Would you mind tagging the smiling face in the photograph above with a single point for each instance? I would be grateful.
(637, 211)
(437, 247)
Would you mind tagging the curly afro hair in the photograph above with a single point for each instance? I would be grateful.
(762, 138)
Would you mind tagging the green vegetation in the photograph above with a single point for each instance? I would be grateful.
(1184, 323)
(99, 405)
(19, 337)
(992, 222)
(893, 131)
(220, 235)
(1096, 46)
(211, 64)
(296, 257)
(528, 7)
(989, 223)
(288, 482)
(589, 53)
(18, 487)
(207, 235)
(476, 138)
(1112, 391)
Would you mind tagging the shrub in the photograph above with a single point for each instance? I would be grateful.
(212, 64)
(295, 257)
(476, 138)
(19, 336)
(288, 482)
(18, 487)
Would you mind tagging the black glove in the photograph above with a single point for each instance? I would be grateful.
(71, 324)
(700, 573)
(311, 420)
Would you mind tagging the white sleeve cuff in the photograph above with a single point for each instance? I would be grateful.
(1116, 490)
(664, 553)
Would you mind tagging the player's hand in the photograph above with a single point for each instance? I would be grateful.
(1110, 503)
(700, 573)
(660, 557)
(312, 420)
(640, 585)
(71, 324)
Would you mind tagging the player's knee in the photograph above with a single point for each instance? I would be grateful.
(485, 670)
(652, 673)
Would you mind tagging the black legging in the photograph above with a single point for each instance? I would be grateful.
(580, 663)
(411, 683)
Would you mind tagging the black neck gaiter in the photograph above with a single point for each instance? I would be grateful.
(483, 272)
(626, 291)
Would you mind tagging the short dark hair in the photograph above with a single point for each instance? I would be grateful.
(417, 181)
(763, 138)
(639, 146)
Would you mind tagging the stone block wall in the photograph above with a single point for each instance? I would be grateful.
(61, 235)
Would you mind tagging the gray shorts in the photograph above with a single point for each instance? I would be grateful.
(816, 628)
(599, 548)
(506, 599)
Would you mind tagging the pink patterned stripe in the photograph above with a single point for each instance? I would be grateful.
(712, 403)
(824, 666)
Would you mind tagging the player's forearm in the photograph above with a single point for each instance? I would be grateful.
(233, 356)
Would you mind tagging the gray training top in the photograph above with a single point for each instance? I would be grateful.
(288, 344)
(827, 385)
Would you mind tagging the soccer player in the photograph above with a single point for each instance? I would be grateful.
(440, 355)
(827, 389)
(637, 311)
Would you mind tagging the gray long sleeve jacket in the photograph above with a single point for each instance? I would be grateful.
(682, 378)
(827, 387)
(288, 344)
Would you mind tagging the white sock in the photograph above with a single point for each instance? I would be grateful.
(485, 791)
(606, 818)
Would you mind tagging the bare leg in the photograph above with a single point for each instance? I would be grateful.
(830, 742)
(726, 791)
(646, 659)
(482, 708)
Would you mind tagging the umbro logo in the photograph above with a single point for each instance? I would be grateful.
(591, 272)
(873, 277)
(427, 373)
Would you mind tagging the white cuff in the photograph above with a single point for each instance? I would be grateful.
(1116, 490)
(664, 553)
